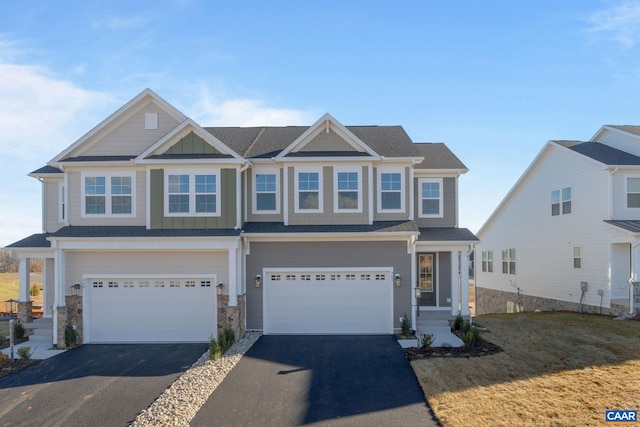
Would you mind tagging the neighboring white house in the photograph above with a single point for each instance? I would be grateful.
(567, 235)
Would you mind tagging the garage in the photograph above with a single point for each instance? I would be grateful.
(328, 301)
(150, 309)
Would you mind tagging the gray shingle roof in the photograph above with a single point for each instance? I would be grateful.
(46, 170)
(139, 231)
(629, 225)
(389, 141)
(34, 241)
(437, 156)
(99, 158)
(381, 226)
(446, 234)
(602, 153)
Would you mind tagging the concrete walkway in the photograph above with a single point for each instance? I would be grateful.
(40, 346)
(441, 331)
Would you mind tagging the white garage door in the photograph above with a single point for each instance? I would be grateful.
(328, 301)
(150, 309)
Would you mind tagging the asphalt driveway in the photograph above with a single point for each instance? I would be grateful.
(320, 380)
(93, 385)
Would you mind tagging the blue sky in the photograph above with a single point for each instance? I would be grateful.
(493, 80)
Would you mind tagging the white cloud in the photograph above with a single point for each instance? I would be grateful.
(620, 23)
(209, 111)
(119, 23)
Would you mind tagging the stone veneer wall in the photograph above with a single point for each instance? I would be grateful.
(25, 311)
(70, 314)
(231, 317)
(494, 301)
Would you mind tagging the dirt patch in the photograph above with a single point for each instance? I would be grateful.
(482, 348)
(16, 366)
(7, 344)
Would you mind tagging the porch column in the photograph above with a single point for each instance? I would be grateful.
(59, 301)
(233, 277)
(25, 279)
(635, 265)
(412, 285)
(464, 282)
(455, 285)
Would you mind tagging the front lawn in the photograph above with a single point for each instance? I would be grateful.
(556, 369)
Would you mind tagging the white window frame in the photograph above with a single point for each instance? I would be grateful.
(346, 169)
(487, 261)
(440, 181)
(62, 202)
(108, 196)
(626, 191)
(192, 192)
(265, 171)
(385, 170)
(577, 256)
(509, 260)
(308, 169)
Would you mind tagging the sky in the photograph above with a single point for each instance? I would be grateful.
(492, 80)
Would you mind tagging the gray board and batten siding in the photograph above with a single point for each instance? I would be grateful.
(364, 254)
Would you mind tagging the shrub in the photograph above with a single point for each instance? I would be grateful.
(471, 336)
(226, 339)
(215, 352)
(18, 330)
(426, 340)
(457, 324)
(70, 336)
(4, 360)
(404, 326)
(25, 353)
(35, 290)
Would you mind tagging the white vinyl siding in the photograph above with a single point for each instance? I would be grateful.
(108, 194)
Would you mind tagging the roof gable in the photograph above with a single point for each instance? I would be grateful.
(128, 118)
(328, 124)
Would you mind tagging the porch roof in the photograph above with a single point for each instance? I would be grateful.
(140, 231)
(380, 226)
(38, 240)
(628, 225)
(446, 234)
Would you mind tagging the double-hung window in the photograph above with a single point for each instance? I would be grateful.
(561, 201)
(391, 190)
(577, 257)
(265, 195)
(347, 195)
(633, 192)
(108, 194)
(430, 191)
(192, 193)
(509, 261)
(308, 190)
(487, 261)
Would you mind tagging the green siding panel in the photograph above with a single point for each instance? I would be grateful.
(192, 144)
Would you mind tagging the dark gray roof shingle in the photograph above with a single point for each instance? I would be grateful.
(629, 225)
(602, 153)
(446, 234)
(437, 156)
(140, 231)
(99, 158)
(34, 241)
(46, 170)
(381, 226)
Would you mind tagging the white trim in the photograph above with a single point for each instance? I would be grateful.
(391, 170)
(63, 205)
(626, 192)
(191, 173)
(285, 197)
(308, 169)
(441, 198)
(148, 199)
(347, 169)
(107, 175)
(254, 191)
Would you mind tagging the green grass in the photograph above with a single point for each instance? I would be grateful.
(9, 283)
(4, 328)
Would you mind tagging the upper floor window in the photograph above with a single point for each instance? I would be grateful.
(265, 195)
(347, 190)
(487, 261)
(191, 193)
(509, 261)
(390, 190)
(561, 201)
(308, 190)
(430, 198)
(633, 192)
(107, 194)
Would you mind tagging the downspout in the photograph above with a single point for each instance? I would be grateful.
(610, 201)
(633, 279)
(239, 195)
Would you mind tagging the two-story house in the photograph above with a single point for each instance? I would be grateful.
(567, 235)
(158, 229)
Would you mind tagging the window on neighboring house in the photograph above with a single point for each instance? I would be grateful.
(487, 261)
(633, 192)
(577, 257)
(509, 261)
(390, 195)
(62, 213)
(266, 193)
(309, 191)
(347, 195)
(191, 193)
(561, 201)
(107, 194)
(430, 198)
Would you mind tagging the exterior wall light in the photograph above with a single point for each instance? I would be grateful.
(75, 289)
(418, 293)
(219, 288)
(396, 280)
(258, 280)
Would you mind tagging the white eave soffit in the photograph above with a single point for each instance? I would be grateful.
(324, 124)
(120, 115)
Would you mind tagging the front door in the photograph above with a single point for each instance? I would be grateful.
(427, 280)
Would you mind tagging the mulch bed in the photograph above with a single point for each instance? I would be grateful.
(16, 366)
(16, 341)
(481, 348)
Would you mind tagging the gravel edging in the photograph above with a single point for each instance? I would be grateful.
(183, 399)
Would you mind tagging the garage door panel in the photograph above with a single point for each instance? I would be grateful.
(151, 310)
(328, 302)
